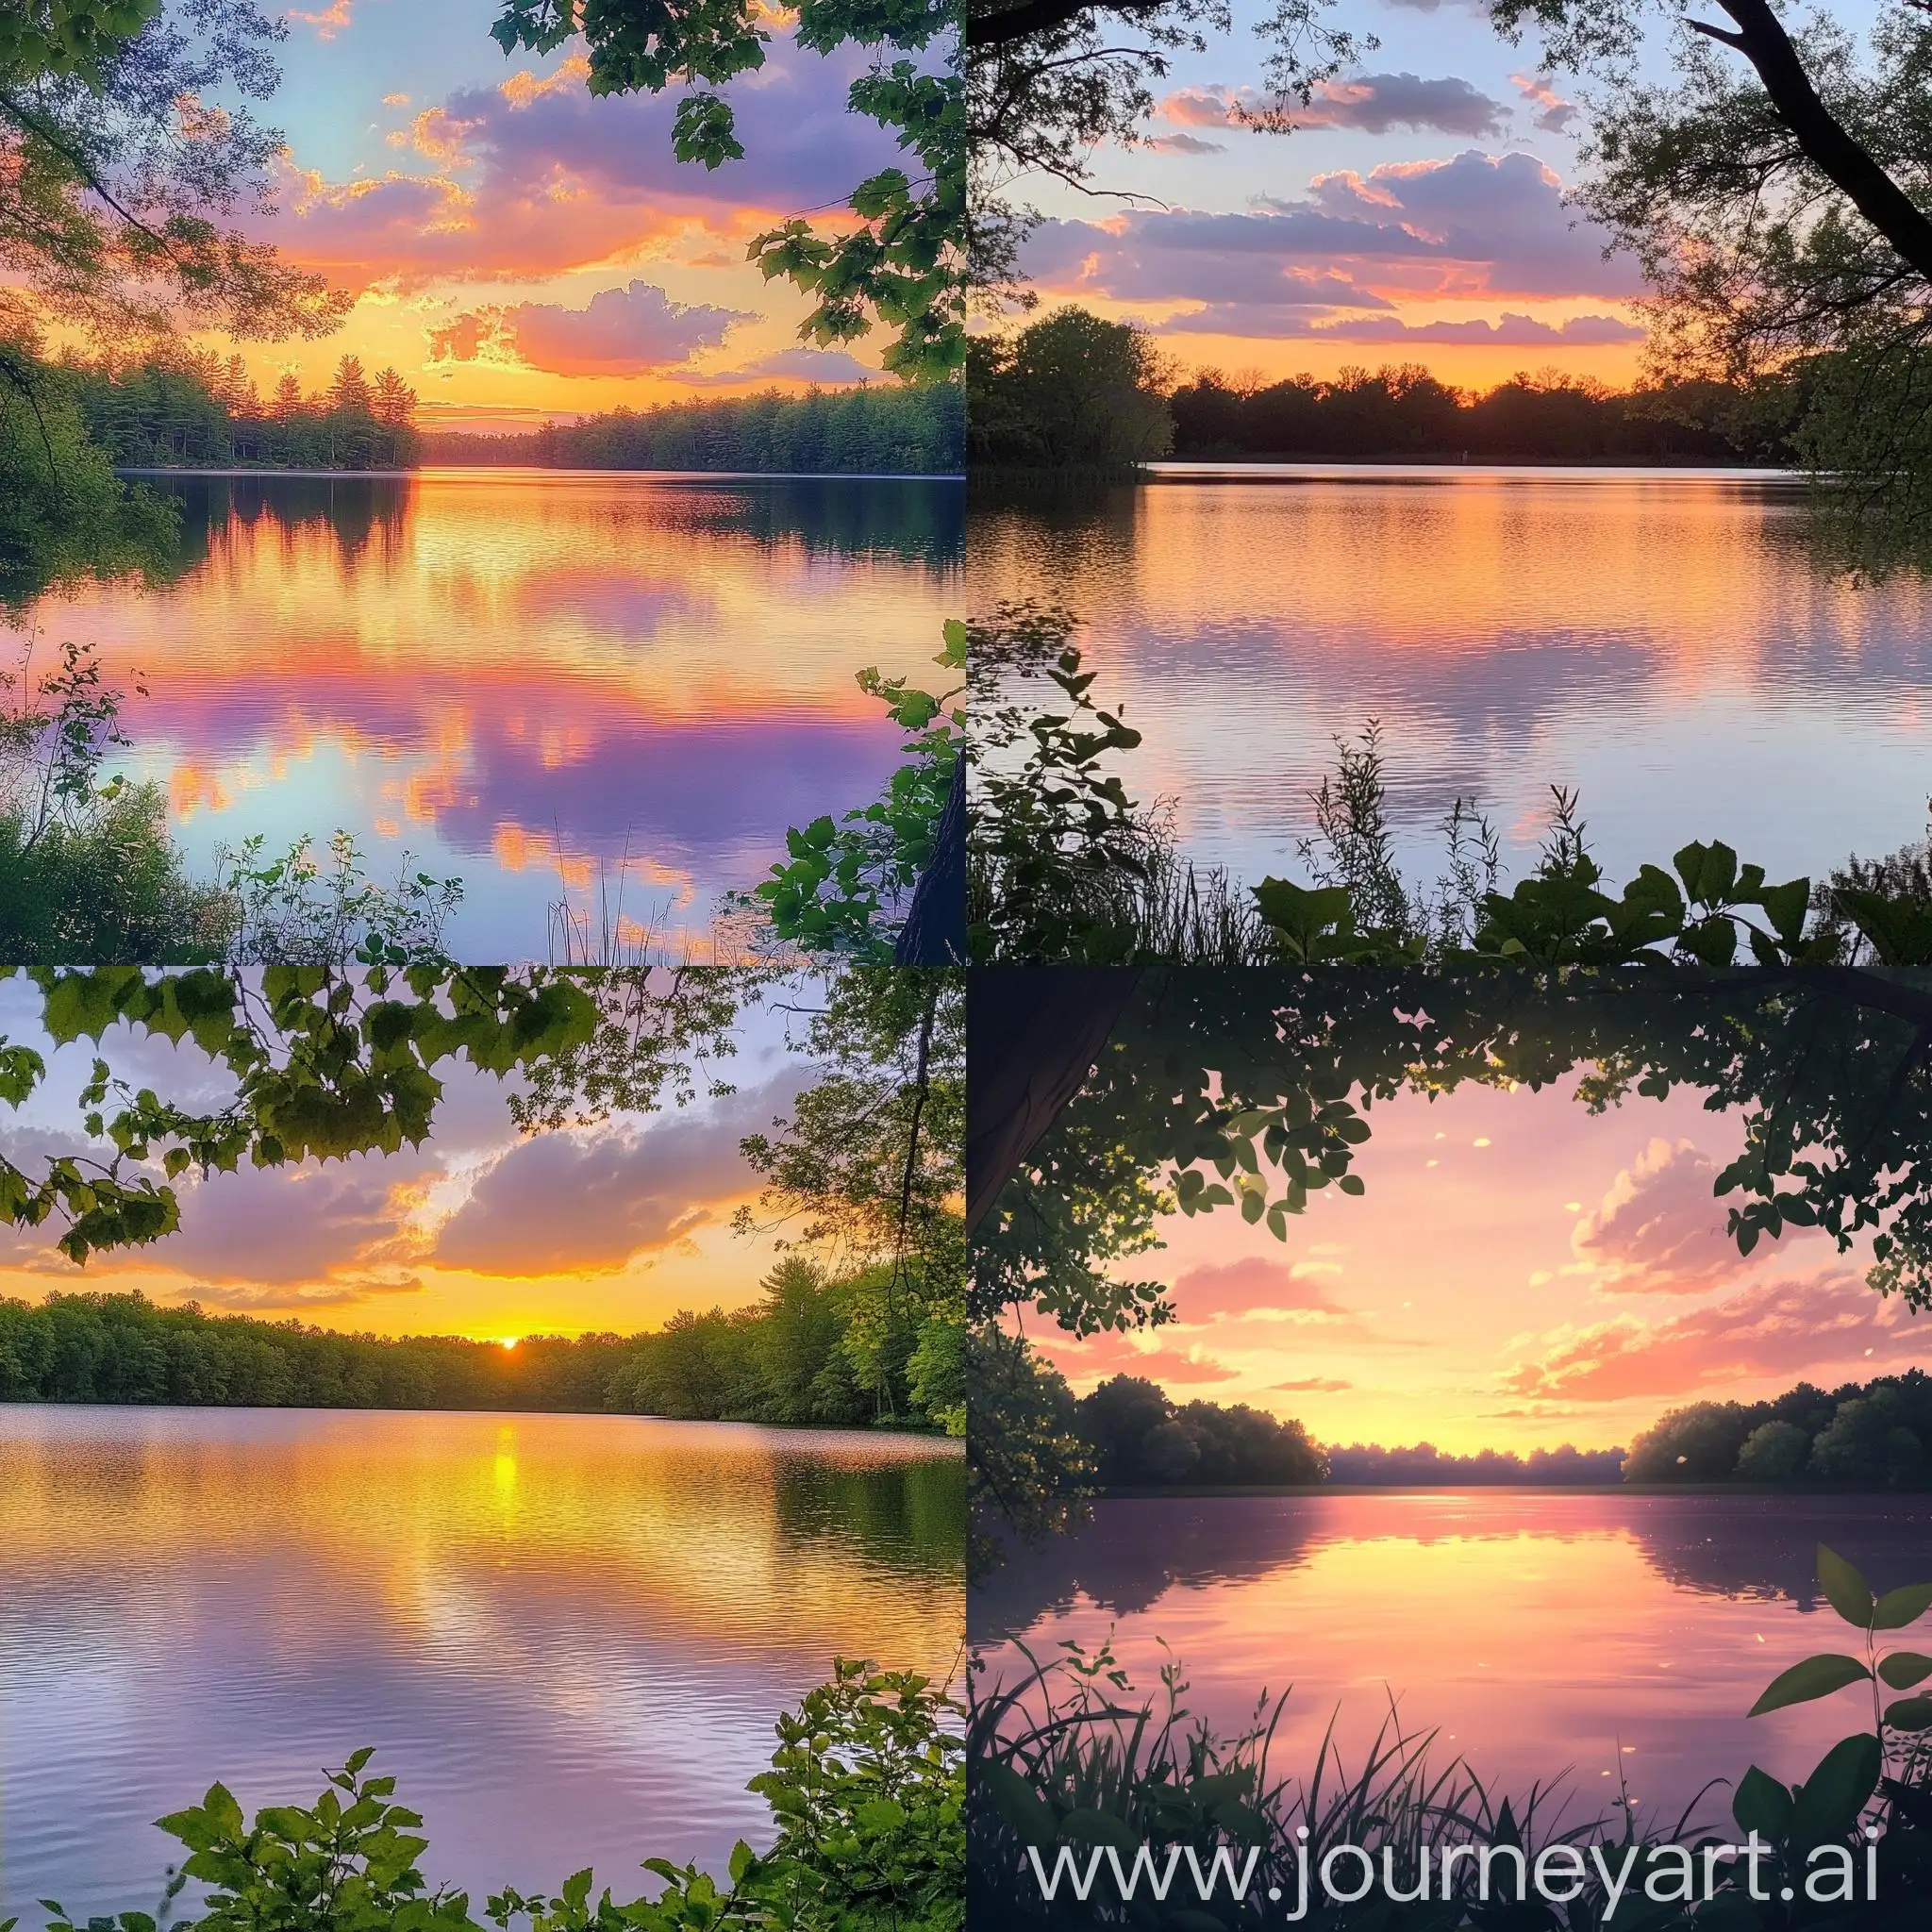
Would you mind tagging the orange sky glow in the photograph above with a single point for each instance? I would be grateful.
(1519, 1275)
(520, 250)
(1422, 209)
(482, 1232)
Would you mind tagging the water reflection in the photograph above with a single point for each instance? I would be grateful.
(1537, 1631)
(1666, 641)
(531, 680)
(568, 1634)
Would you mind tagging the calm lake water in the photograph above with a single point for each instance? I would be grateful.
(531, 680)
(1663, 640)
(568, 1636)
(1535, 1631)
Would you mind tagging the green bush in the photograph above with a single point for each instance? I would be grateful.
(111, 884)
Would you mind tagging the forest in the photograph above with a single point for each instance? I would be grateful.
(1424, 1466)
(1870, 1435)
(860, 1318)
(781, 1361)
(1401, 411)
(1073, 392)
(888, 430)
(189, 409)
(1861, 1436)
(1142, 1438)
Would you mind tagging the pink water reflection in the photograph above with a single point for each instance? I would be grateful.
(1536, 1632)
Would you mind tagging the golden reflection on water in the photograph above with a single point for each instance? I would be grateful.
(569, 1636)
(621, 1515)
(1699, 569)
(1670, 642)
(1534, 1633)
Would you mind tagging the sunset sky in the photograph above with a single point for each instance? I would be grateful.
(482, 1231)
(519, 250)
(1519, 1274)
(1417, 214)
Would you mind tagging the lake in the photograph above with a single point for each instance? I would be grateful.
(568, 1636)
(1535, 1631)
(1665, 641)
(543, 682)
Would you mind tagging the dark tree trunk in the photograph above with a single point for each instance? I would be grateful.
(1032, 1036)
(934, 930)
(999, 27)
(1761, 39)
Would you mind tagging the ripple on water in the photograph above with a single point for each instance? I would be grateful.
(569, 1636)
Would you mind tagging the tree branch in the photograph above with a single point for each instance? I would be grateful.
(1009, 23)
(1761, 39)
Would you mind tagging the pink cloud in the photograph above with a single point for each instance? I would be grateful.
(1095, 1357)
(1554, 113)
(1810, 1327)
(1254, 1282)
(620, 332)
(1503, 213)
(1339, 259)
(1183, 145)
(435, 133)
(553, 178)
(1371, 103)
(1659, 1230)
(1509, 331)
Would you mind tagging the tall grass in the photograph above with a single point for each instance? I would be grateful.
(1067, 1759)
(1068, 1754)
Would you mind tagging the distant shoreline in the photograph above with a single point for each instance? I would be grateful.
(1199, 1491)
(617, 1415)
(1172, 470)
(1438, 460)
(550, 470)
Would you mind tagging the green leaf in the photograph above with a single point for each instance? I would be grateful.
(1018, 1804)
(703, 131)
(1709, 872)
(1817, 1677)
(1829, 1801)
(1898, 1607)
(1909, 1714)
(1846, 1589)
(1304, 916)
(1785, 907)
(1762, 1805)
(1900, 932)
(1091, 1827)
(1904, 1668)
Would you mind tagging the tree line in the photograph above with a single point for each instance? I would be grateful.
(887, 429)
(1401, 411)
(1071, 391)
(1424, 1466)
(1870, 1435)
(1142, 1438)
(188, 408)
(788, 1359)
